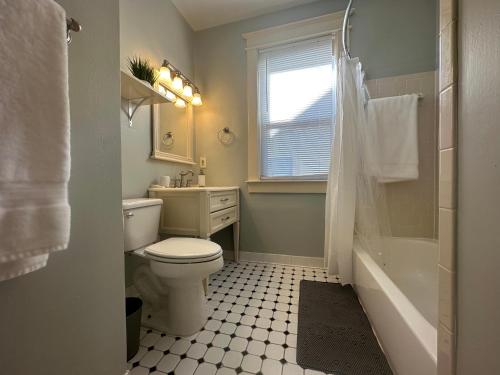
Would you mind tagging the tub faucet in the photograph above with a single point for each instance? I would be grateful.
(184, 174)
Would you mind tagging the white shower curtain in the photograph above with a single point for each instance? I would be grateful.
(345, 164)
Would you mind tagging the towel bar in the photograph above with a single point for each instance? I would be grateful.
(72, 25)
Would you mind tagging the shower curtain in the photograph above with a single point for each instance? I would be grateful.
(341, 188)
(355, 203)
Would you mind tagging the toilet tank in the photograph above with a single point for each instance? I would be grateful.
(141, 220)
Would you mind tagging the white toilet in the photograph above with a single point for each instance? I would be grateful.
(181, 265)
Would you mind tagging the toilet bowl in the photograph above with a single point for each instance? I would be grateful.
(181, 265)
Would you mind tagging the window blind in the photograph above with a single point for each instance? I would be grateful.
(296, 85)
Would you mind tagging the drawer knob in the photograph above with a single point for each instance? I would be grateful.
(224, 199)
(226, 218)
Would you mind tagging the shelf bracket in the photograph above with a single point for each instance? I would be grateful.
(132, 108)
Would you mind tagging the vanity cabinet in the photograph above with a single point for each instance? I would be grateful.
(199, 212)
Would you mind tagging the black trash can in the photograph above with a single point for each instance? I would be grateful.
(133, 308)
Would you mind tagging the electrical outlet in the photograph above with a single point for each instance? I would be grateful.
(203, 162)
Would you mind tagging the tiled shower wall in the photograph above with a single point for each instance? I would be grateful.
(447, 185)
(413, 208)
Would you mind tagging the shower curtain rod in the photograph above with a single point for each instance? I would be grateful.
(344, 29)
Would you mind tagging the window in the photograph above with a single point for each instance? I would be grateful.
(296, 109)
(291, 108)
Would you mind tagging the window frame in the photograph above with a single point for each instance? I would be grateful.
(329, 24)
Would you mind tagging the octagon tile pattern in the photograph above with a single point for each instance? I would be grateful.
(252, 328)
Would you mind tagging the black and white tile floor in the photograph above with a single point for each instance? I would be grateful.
(252, 327)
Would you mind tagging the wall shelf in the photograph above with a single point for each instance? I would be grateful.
(138, 93)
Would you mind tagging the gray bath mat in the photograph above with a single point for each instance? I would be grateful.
(334, 334)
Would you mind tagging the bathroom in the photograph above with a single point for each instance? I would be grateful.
(183, 246)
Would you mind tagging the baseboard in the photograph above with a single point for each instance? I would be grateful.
(316, 262)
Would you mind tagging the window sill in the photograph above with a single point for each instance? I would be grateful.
(287, 186)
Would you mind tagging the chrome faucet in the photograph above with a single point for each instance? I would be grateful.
(184, 174)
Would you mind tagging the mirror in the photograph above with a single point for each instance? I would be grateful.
(172, 133)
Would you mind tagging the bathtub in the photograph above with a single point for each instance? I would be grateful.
(397, 287)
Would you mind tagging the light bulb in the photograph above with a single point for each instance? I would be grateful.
(177, 84)
(179, 103)
(188, 91)
(165, 74)
(170, 96)
(196, 99)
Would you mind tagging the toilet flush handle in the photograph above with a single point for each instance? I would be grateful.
(129, 214)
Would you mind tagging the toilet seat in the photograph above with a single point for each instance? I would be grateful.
(182, 250)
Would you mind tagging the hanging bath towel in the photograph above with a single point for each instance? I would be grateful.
(34, 135)
(392, 123)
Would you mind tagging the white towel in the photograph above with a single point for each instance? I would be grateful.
(34, 135)
(393, 138)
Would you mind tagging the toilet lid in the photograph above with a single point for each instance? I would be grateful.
(184, 248)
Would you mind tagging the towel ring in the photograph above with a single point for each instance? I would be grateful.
(225, 136)
(168, 139)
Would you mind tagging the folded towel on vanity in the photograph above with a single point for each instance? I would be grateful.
(34, 135)
(393, 137)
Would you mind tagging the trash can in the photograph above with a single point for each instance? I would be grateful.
(133, 309)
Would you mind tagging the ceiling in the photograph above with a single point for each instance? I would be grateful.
(203, 14)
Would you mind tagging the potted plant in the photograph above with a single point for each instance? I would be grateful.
(141, 69)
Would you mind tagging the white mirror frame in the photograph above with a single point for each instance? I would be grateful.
(156, 152)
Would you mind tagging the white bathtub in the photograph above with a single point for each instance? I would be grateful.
(398, 289)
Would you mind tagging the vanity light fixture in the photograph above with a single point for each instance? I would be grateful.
(177, 84)
(167, 94)
(196, 99)
(165, 72)
(170, 96)
(179, 89)
(188, 91)
(179, 103)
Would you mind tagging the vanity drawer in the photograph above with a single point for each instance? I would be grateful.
(223, 199)
(221, 219)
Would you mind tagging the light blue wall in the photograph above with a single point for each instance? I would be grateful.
(391, 38)
(153, 29)
(69, 317)
(394, 37)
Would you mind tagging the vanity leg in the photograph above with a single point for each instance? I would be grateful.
(205, 286)
(236, 240)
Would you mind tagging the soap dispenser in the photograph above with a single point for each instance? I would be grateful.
(201, 178)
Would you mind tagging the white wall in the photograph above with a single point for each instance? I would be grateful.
(478, 289)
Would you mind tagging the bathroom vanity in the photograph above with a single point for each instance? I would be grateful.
(199, 211)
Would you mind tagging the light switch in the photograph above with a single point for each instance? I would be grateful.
(203, 162)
